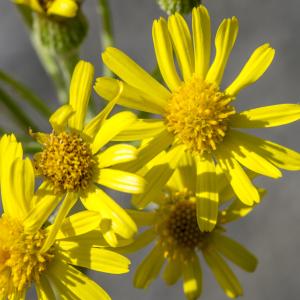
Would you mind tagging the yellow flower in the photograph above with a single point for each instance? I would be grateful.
(174, 230)
(74, 163)
(197, 115)
(34, 253)
(62, 8)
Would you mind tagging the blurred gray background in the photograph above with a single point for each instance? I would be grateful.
(272, 231)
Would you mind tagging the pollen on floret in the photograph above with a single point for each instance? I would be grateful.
(198, 114)
(66, 162)
(21, 261)
(178, 230)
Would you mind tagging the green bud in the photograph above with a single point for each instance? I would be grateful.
(61, 34)
(181, 6)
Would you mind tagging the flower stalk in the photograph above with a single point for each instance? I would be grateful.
(106, 35)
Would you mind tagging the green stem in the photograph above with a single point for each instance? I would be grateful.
(26, 94)
(67, 63)
(50, 64)
(31, 149)
(106, 36)
(26, 13)
(46, 57)
(19, 114)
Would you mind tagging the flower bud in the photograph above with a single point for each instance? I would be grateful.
(61, 34)
(181, 6)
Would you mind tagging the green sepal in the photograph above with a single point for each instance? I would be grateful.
(61, 34)
(181, 6)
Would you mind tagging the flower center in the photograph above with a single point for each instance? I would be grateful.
(179, 231)
(20, 259)
(198, 114)
(66, 161)
(182, 225)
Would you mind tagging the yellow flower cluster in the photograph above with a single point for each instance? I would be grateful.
(194, 164)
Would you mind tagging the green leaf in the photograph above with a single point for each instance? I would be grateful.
(26, 94)
(17, 111)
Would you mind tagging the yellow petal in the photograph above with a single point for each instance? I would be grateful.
(111, 127)
(182, 43)
(235, 252)
(202, 40)
(247, 157)
(131, 97)
(77, 224)
(96, 259)
(44, 190)
(149, 269)
(64, 209)
(278, 155)
(237, 210)
(63, 8)
(149, 150)
(21, 179)
(44, 289)
(172, 271)
(164, 53)
(142, 218)
(116, 154)
(72, 284)
(14, 188)
(141, 129)
(268, 116)
(224, 42)
(157, 177)
(80, 92)
(134, 75)
(41, 212)
(223, 274)
(90, 239)
(207, 194)
(10, 150)
(121, 222)
(108, 234)
(181, 178)
(121, 181)
(59, 119)
(192, 278)
(141, 241)
(238, 179)
(255, 67)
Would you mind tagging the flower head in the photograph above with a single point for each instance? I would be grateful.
(61, 8)
(174, 230)
(198, 116)
(36, 252)
(75, 160)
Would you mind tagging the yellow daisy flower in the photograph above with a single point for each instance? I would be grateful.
(61, 8)
(73, 161)
(34, 253)
(197, 115)
(175, 232)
